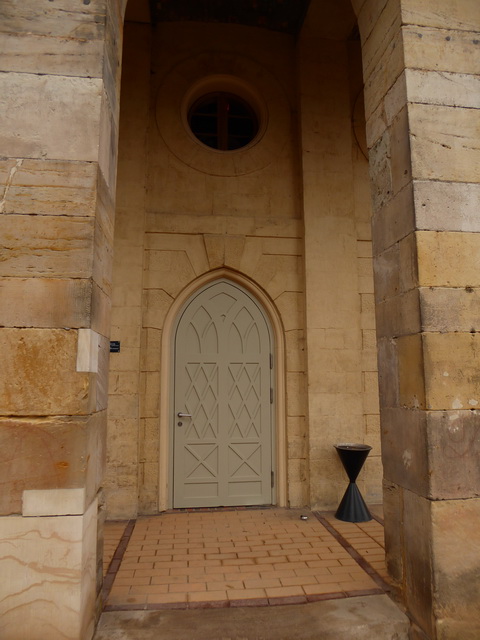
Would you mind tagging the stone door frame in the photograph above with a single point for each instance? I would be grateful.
(166, 383)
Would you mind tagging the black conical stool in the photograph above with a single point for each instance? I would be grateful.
(352, 508)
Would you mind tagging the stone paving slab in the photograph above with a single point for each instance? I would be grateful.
(361, 618)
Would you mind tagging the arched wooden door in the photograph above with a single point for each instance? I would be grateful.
(223, 401)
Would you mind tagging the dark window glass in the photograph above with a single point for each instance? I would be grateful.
(223, 121)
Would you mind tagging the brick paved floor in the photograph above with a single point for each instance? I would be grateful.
(241, 557)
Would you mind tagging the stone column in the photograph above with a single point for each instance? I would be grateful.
(58, 98)
(420, 62)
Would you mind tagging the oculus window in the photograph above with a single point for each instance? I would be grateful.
(223, 121)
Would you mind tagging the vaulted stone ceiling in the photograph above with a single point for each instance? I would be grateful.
(278, 15)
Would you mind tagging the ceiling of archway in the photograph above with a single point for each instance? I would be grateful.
(278, 15)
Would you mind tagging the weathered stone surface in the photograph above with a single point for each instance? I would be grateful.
(48, 187)
(447, 206)
(63, 126)
(100, 317)
(373, 470)
(49, 568)
(122, 474)
(417, 549)
(404, 447)
(455, 526)
(87, 350)
(393, 515)
(380, 172)
(277, 274)
(401, 163)
(382, 117)
(47, 246)
(23, 302)
(38, 376)
(215, 248)
(124, 406)
(447, 259)
(452, 362)
(53, 502)
(101, 381)
(444, 142)
(387, 24)
(461, 14)
(82, 21)
(450, 310)
(113, 40)
(359, 618)
(453, 453)
(384, 74)
(433, 454)
(216, 224)
(150, 398)
(107, 142)
(399, 315)
(35, 53)
(368, 13)
(393, 221)
(396, 270)
(174, 263)
(50, 453)
(151, 349)
(103, 237)
(443, 88)
(412, 372)
(195, 245)
(295, 350)
(441, 49)
(234, 247)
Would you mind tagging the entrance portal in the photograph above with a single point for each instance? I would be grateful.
(223, 400)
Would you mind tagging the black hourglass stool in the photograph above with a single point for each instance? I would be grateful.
(352, 508)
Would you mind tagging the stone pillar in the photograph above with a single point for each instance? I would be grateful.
(58, 98)
(420, 62)
(342, 385)
(124, 405)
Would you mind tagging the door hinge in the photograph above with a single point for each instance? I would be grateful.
(271, 361)
(272, 479)
(271, 396)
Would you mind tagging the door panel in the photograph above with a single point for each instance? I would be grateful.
(223, 446)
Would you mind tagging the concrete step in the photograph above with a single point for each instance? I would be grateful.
(360, 618)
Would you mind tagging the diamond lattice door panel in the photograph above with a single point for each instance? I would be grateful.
(223, 431)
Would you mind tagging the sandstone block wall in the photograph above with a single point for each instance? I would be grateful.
(422, 126)
(59, 81)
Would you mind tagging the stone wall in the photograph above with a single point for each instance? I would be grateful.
(58, 96)
(420, 67)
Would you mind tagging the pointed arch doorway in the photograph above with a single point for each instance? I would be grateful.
(222, 433)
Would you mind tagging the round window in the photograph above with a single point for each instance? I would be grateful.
(223, 121)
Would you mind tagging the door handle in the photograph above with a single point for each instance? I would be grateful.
(184, 415)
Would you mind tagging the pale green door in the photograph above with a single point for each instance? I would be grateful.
(222, 433)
